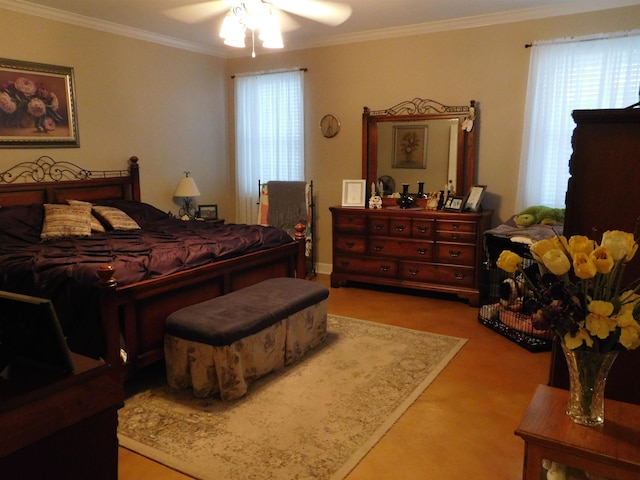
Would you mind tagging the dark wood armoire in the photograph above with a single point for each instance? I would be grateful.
(604, 194)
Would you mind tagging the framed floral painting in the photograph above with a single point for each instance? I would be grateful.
(409, 147)
(37, 105)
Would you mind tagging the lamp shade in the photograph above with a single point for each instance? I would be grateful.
(187, 187)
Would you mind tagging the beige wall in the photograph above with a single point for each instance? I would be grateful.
(170, 107)
(165, 105)
(488, 64)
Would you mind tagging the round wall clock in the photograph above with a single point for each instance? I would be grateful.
(329, 125)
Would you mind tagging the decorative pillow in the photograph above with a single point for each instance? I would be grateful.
(116, 218)
(96, 226)
(66, 221)
(142, 213)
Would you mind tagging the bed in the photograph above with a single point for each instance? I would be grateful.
(113, 289)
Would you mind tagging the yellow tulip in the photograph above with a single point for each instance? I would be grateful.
(575, 341)
(539, 248)
(556, 261)
(580, 244)
(599, 321)
(583, 266)
(629, 330)
(620, 244)
(602, 260)
(509, 261)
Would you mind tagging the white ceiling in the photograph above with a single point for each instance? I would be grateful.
(370, 19)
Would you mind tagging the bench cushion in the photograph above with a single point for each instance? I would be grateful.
(224, 320)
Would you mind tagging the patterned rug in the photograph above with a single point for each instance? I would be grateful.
(313, 420)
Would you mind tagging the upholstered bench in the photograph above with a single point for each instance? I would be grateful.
(223, 344)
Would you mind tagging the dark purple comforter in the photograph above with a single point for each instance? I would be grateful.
(64, 270)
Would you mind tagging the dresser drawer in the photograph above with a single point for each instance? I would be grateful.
(455, 236)
(349, 223)
(434, 273)
(379, 226)
(457, 253)
(456, 231)
(400, 227)
(423, 229)
(415, 249)
(380, 267)
(350, 244)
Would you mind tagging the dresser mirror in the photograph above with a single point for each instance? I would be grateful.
(419, 141)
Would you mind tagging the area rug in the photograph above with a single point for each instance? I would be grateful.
(313, 420)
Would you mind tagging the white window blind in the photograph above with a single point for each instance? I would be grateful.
(269, 134)
(567, 75)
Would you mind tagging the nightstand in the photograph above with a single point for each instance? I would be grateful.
(611, 450)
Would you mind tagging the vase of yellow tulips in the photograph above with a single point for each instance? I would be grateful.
(578, 295)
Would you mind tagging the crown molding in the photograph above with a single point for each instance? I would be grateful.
(535, 13)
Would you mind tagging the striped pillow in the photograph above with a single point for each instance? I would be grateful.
(96, 226)
(116, 218)
(66, 221)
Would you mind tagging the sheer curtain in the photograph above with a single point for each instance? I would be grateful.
(565, 75)
(269, 135)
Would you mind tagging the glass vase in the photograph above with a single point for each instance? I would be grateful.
(588, 373)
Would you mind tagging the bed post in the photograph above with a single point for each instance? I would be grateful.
(109, 320)
(301, 238)
(134, 172)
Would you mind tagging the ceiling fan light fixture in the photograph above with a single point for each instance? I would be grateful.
(270, 33)
(254, 15)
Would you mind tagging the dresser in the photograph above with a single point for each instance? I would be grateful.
(603, 195)
(410, 248)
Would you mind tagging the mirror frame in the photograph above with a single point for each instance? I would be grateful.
(416, 110)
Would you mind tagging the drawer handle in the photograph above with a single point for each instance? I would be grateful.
(385, 268)
(378, 248)
(423, 229)
(350, 219)
(456, 225)
(413, 272)
(421, 251)
(455, 236)
(350, 244)
(377, 226)
(400, 228)
(459, 276)
(455, 253)
(344, 264)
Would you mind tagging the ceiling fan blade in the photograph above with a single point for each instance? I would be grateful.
(323, 11)
(287, 22)
(199, 12)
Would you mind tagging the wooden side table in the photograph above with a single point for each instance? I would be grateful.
(611, 450)
(61, 426)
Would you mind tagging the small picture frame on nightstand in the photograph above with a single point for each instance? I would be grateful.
(208, 212)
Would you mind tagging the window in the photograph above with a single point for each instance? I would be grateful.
(566, 75)
(269, 134)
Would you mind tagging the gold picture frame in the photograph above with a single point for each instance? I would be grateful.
(37, 105)
(410, 146)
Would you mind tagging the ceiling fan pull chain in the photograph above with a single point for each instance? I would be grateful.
(253, 43)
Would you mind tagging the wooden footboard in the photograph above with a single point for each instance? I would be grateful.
(133, 316)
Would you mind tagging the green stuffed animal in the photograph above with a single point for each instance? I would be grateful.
(539, 215)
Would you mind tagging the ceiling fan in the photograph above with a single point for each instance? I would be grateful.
(268, 17)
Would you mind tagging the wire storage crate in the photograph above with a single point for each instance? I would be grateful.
(503, 311)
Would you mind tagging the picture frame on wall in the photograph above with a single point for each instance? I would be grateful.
(409, 146)
(353, 193)
(208, 212)
(474, 199)
(37, 105)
